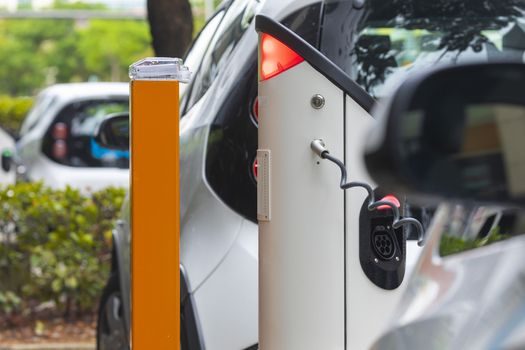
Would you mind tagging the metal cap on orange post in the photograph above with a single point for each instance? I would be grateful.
(155, 192)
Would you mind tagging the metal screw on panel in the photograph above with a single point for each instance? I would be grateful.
(358, 4)
(317, 101)
(397, 258)
(375, 260)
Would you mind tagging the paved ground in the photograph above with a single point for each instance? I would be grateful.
(56, 334)
(50, 346)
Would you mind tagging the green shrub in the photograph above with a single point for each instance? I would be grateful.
(12, 112)
(61, 249)
(452, 244)
(9, 301)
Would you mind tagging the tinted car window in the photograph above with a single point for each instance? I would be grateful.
(234, 24)
(43, 102)
(198, 48)
(69, 139)
(232, 143)
(383, 41)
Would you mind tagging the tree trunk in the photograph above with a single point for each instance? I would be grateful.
(171, 26)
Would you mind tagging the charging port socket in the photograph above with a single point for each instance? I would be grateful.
(383, 242)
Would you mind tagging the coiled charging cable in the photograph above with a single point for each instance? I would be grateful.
(319, 148)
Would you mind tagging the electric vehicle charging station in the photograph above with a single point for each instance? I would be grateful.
(155, 205)
(331, 257)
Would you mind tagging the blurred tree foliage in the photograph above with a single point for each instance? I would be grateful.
(12, 112)
(108, 48)
(40, 52)
(55, 247)
(36, 53)
(78, 5)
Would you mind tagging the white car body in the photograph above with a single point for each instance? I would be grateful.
(469, 300)
(219, 242)
(38, 166)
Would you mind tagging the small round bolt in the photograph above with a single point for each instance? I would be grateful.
(397, 258)
(375, 260)
(317, 101)
(358, 4)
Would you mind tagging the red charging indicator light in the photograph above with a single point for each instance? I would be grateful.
(389, 198)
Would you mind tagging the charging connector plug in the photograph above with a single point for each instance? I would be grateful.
(319, 148)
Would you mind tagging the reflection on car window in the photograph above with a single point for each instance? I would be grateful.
(195, 53)
(69, 140)
(471, 228)
(232, 144)
(235, 22)
(384, 41)
(43, 103)
(87, 118)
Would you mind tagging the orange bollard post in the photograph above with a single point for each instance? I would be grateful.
(155, 192)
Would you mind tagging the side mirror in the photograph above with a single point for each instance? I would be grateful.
(455, 132)
(113, 132)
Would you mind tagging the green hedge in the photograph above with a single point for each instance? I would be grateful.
(55, 247)
(452, 244)
(12, 112)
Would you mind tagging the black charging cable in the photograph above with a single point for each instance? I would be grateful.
(318, 146)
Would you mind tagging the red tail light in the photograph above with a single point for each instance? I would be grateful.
(60, 131)
(275, 57)
(59, 149)
(389, 198)
(255, 167)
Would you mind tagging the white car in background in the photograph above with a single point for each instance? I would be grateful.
(56, 143)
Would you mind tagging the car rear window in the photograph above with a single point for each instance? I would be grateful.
(70, 138)
(198, 49)
(379, 42)
(231, 29)
(232, 142)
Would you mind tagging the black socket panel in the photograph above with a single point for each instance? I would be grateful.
(382, 249)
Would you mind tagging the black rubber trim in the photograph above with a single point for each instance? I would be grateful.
(253, 347)
(190, 339)
(345, 234)
(320, 62)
